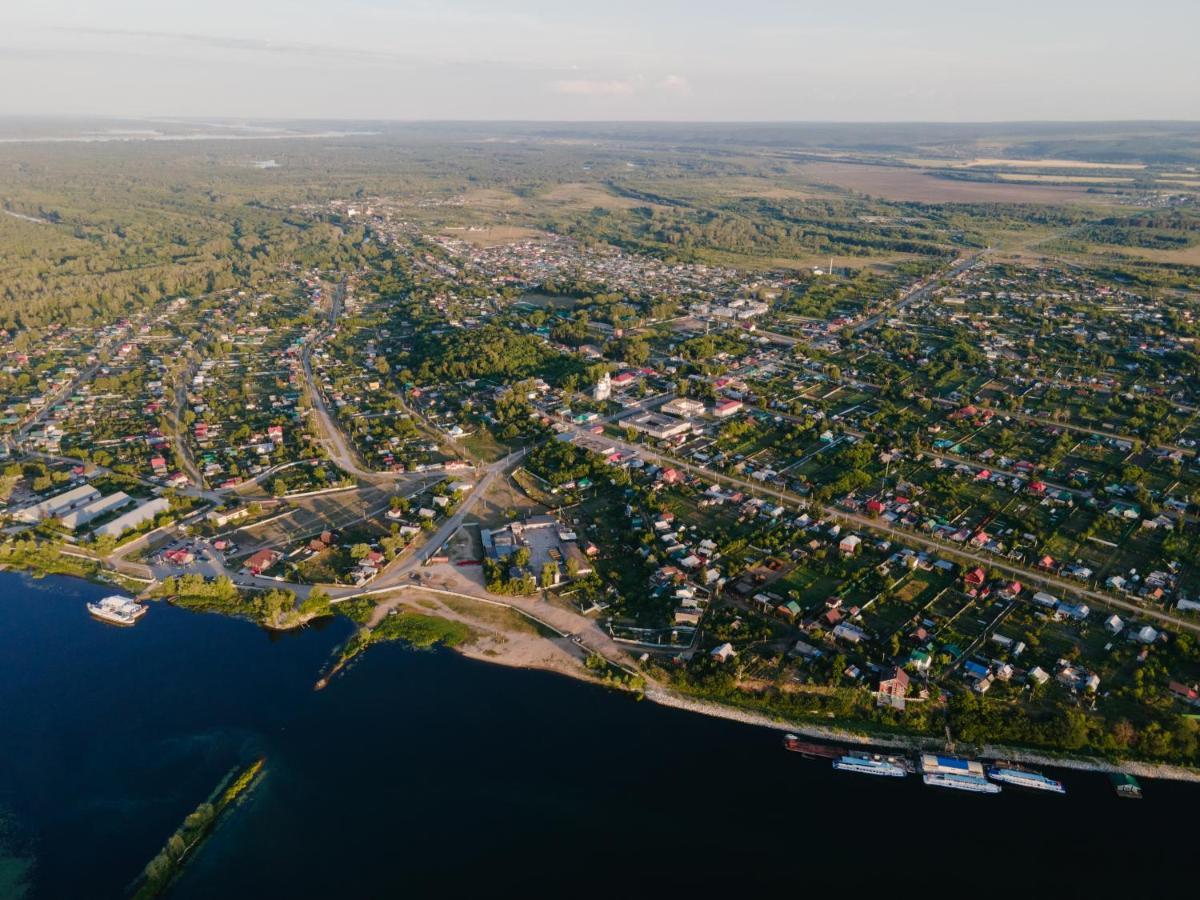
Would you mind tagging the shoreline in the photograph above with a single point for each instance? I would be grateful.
(1162, 771)
(832, 733)
(517, 649)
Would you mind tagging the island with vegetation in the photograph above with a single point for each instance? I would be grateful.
(161, 871)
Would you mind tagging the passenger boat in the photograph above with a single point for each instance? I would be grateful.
(811, 751)
(871, 764)
(961, 782)
(955, 772)
(1125, 785)
(1025, 778)
(117, 610)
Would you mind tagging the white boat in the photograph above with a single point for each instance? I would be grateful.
(117, 610)
(867, 764)
(1026, 779)
(961, 782)
(937, 764)
(956, 772)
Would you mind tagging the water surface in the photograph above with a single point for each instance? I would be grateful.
(421, 774)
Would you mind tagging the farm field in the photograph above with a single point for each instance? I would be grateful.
(924, 187)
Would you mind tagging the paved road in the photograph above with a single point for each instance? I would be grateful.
(331, 435)
(1023, 573)
(183, 449)
(397, 572)
(920, 292)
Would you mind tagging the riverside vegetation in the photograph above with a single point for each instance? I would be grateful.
(199, 824)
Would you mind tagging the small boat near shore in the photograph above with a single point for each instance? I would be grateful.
(1024, 778)
(117, 610)
(1125, 785)
(872, 764)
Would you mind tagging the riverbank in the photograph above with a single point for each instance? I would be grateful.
(844, 736)
(522, 645)
(48, 561)
(504, 635)
(430, 770)
(498, 634)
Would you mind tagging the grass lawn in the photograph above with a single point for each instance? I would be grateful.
(484, 446)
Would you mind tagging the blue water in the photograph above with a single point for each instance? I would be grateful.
(421, 774)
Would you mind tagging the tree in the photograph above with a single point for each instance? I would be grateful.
(278, 487)
(359, 551)
(634, 351)
(176, 847)
(317, 603)
(836, 668)
(549, 575)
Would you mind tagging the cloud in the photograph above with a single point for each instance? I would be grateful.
(675, 84)
(622, 87)
(290, 51)
(208, 40)
(588, 88)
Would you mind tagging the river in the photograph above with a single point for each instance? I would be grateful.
(423, 773)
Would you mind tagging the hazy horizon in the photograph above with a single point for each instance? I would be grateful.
(672, 61)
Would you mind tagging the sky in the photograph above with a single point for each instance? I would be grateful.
(689, 60)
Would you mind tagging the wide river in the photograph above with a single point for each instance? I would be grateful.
(422, 773)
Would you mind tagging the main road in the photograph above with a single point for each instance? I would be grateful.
(331, 435)
(394, 574)
(920, 292)
(865, 523)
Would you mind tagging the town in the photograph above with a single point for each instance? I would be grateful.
(959, 492)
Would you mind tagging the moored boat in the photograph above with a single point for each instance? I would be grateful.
(871, 764)
(950, 765)
(972, 783)
(1125, 785)
(812, 751)
(955, 772)
(1025, 778)
(117, 610)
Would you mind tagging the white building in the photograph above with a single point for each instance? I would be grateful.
(76, 519)
(132, 519)
(657, 426)
(685, 407)
(723, 652)
(849, 544)
(58, 505)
